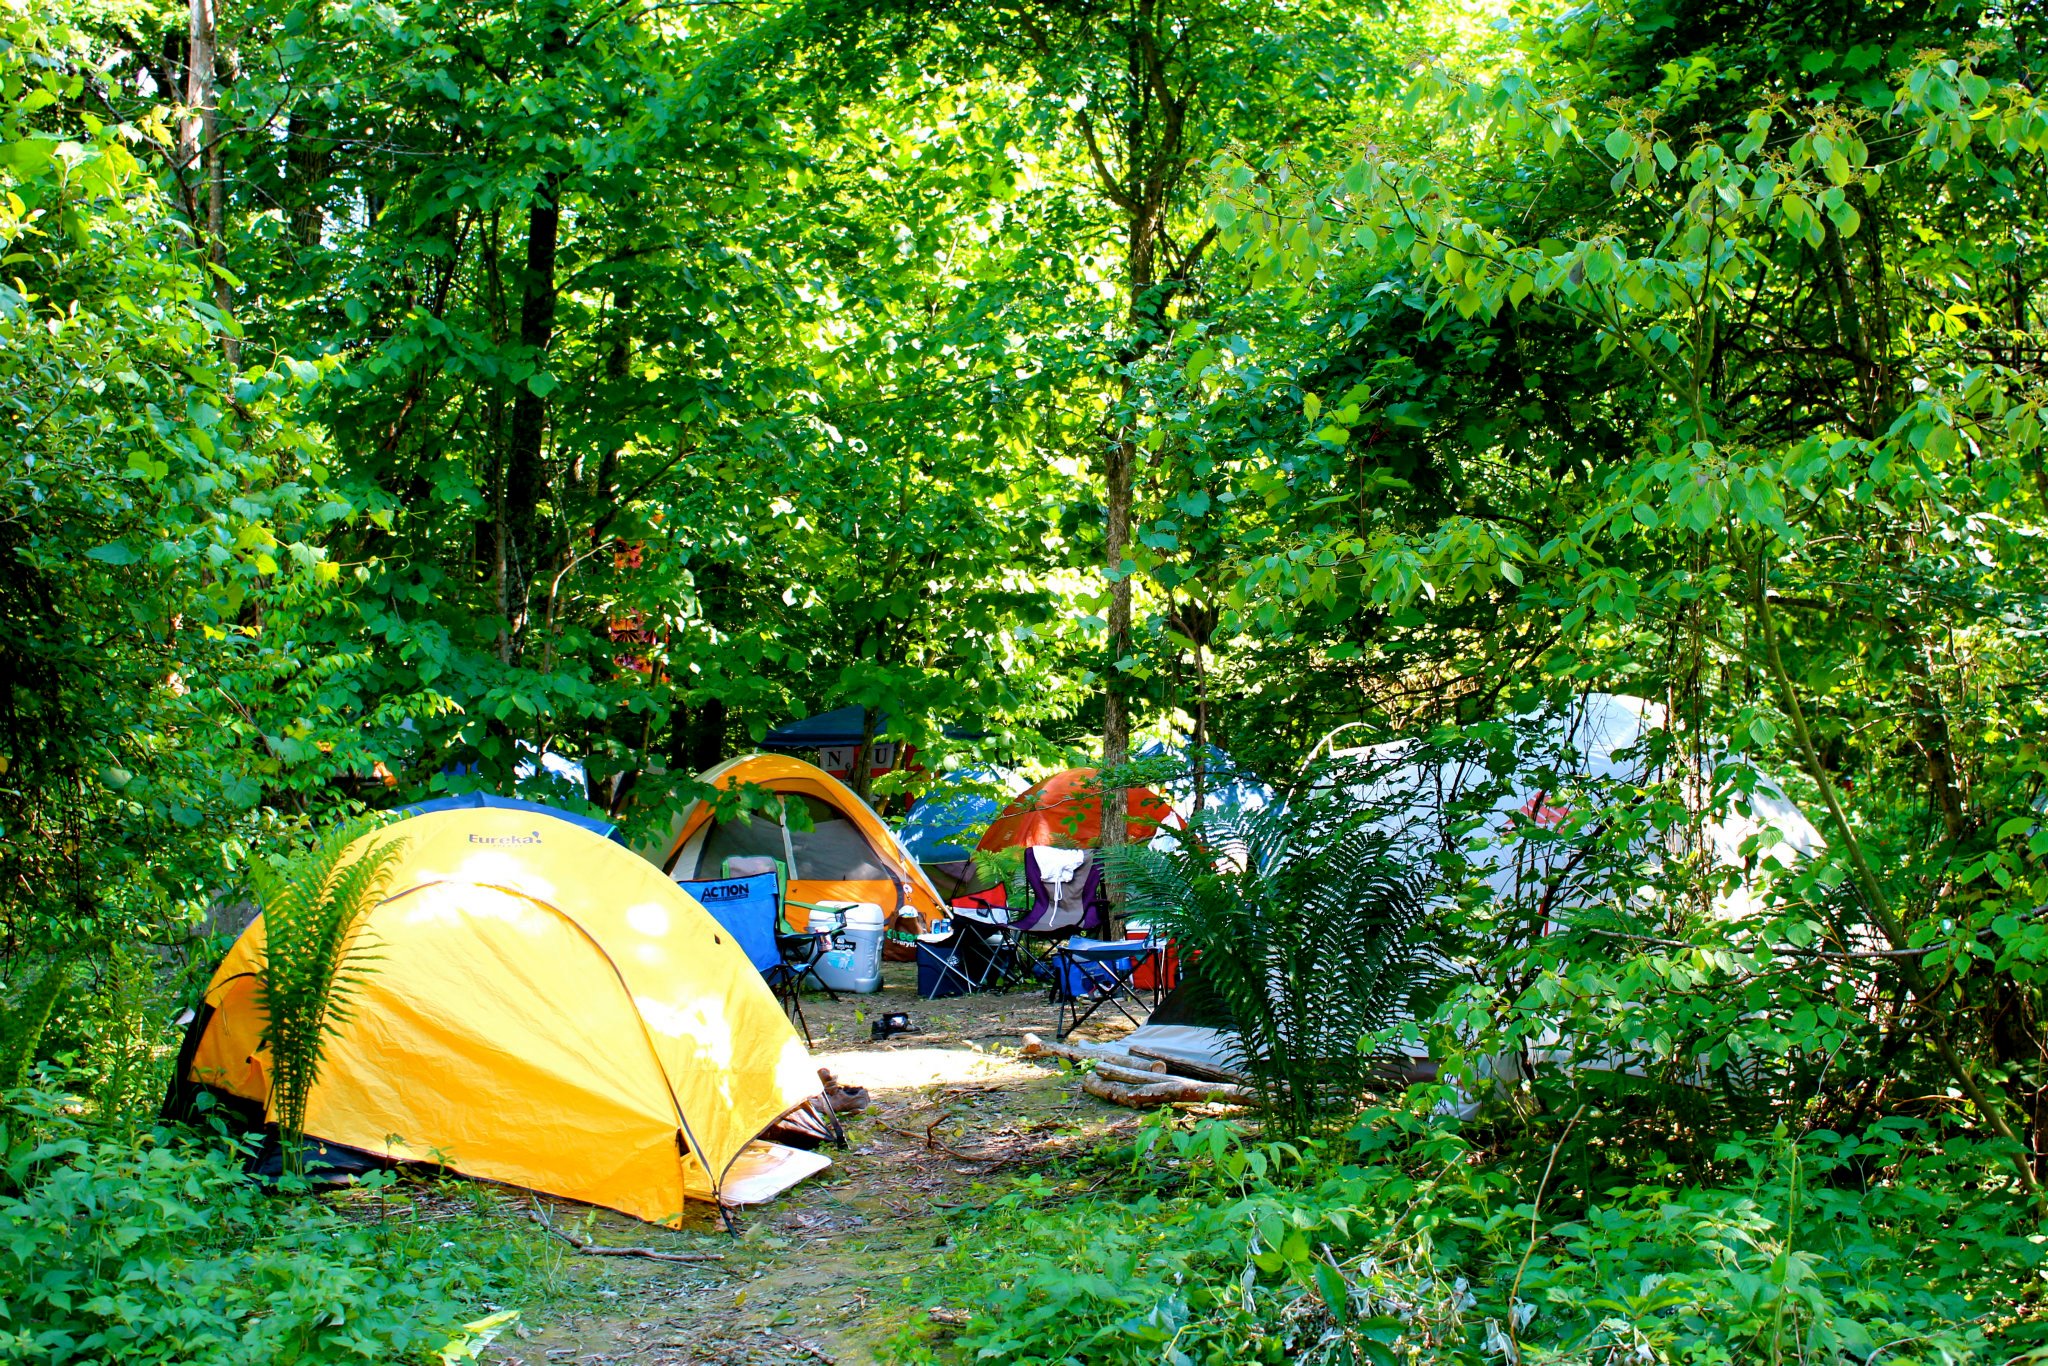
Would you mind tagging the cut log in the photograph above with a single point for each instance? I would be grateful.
(1136, 1076)
(1169, 1092)
(1203, 1070)
(1035, 1047)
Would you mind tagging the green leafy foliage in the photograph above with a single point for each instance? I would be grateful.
(1406, 1241)
(23, 1020)
(161, 1250)
(315, 957)
(1311, 928)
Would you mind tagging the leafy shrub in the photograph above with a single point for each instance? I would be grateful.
(1400, 1244)
(161, 1250)
(23, 1020)
(1308, 925)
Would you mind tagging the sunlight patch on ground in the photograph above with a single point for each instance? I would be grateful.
(909, 1068)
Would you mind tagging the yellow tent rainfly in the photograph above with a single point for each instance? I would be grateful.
(849, 854)
(543, 1008)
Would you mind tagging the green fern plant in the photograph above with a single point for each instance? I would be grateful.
(22, 1024)
(1312, 928)
(315, 960)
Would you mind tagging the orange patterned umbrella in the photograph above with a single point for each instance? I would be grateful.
(1065, 811)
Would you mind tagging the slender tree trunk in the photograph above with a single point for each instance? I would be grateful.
(199, 151)
(863, 770)
(307, 155)
(525, 472)
(1120, 464)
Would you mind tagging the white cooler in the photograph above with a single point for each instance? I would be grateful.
(858, 966)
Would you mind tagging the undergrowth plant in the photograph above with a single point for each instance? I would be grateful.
(1404, 1241)
(1311, 927)
(158, 1250)
(315, 959)
(23, 1020)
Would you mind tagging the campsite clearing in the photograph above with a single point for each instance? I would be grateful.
(833, 1269)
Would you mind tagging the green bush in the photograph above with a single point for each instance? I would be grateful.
(161, 1250)
(1402, 1244)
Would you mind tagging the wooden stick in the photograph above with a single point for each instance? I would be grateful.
(590, 1249)
(932, 1143)
(1035, 1047)
(1109, 1071)
(1161, 1093)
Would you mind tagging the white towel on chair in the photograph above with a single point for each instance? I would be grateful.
(1056, 867)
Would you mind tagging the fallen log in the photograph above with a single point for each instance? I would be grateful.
(1203, 1070)
(1168, 1092)
(1035, 1047)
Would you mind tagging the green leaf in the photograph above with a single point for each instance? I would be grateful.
(27, 156)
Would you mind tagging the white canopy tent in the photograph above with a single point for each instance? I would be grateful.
(1590, 753)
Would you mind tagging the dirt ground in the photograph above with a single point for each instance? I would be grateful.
(831, 1271)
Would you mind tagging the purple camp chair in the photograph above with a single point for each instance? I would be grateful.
(1059, 909)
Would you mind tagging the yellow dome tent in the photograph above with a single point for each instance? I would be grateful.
(849, 854)
(543, 1008)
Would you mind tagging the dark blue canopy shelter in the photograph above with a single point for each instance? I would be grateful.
(840, 726)
(471, 800)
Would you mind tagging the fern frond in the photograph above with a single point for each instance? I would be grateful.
(316, 958)
(1308, 925)
(22, 1024)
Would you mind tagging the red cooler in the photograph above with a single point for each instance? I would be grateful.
(1166, 966)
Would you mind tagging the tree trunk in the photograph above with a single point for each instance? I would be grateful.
(1120, 464)
(199, 150)
(525, 474)
(861, 776)
(307, 155)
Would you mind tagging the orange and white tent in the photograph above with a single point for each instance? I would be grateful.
(848, 854)
(541, 1007)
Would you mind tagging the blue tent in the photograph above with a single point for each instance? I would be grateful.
(1225, 786)
(469, 800)
(931, 832)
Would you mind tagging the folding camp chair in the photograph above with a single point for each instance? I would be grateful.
(1089, 974)
(979, 952)
(749, 909)
(801, 949)
(1066, 897)
(1066, 892)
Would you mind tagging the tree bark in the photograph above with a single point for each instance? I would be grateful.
(307, 155)
(863, 770)
(199, 151)
(525, 472)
